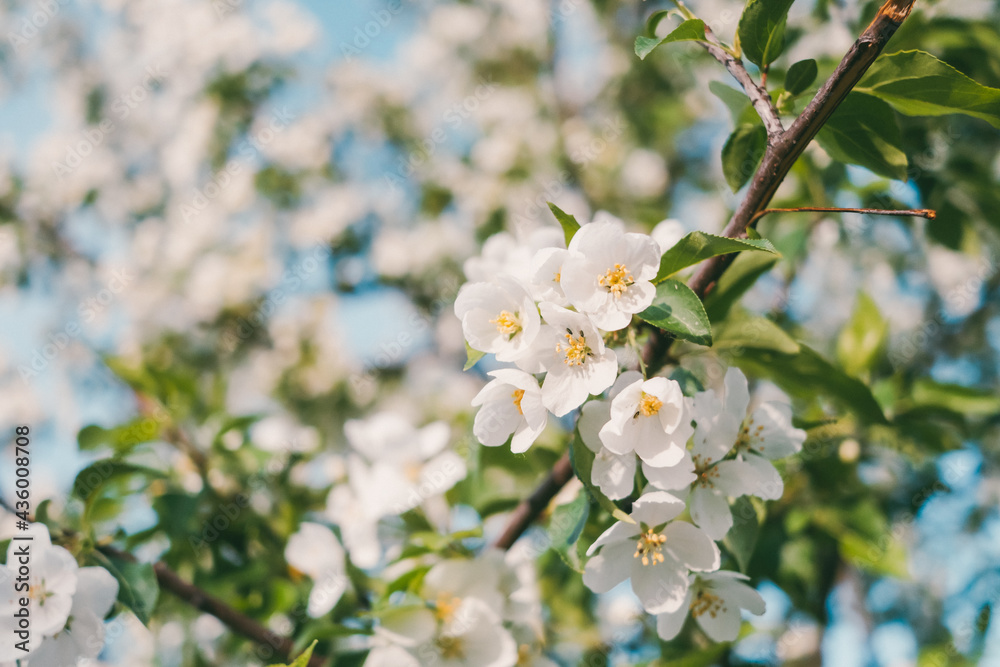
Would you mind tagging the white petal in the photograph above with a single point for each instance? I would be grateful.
(710, 511)
(721, 625)
(613, 474)
(679, 476)
(408, 626)
(609, 568)
(692, 547)
(661, 587)
(669, 624)
(618, 532)
(765, 481)
(593, 416)
(656, 508)
(96, 591)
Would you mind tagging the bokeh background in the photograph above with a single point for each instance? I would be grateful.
(247, 220)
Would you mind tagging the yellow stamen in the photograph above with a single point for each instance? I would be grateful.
(446, 606)
(649, 405)
(575, 349)
(451, 647)
(507, 323)
(616, 280)
(557, 278)
(517, 396)
(707, 603)
(649, 546)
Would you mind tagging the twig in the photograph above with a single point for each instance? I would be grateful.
(758, 95)
(782, 154)
(902, 213)
(236, 621)
(778, 160)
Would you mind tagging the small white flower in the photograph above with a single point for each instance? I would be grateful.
(608, 272)
(714, 600)
(546, 275)
(613, 474)
(83, 635)
(512, 404)
(51, 586)
(723, 428)
(655, 553)
(572, 352)
(498, 317)
(315, 551)
(651, 419)
(466, 634)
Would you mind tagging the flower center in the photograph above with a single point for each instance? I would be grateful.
(705, 471)
(649, 546)
(750, 438)
(446, 606)
(557, 277)
(707, 603)
(450, 647)
(507, 323)
(523, 655)
(517, 396)
(649, 405)
(575, 349)
(616, 280)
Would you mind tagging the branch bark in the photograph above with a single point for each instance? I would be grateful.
(784, 148)
(236, 621)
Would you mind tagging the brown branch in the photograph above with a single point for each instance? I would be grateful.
(782, 152)
(236, 621)
(758, 95)
(901, 213)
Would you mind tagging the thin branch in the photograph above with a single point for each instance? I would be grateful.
(781, 155)
(778, 160)
(758, 95)
(901, 213)
(236, 621)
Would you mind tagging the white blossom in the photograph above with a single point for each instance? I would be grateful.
(315, 551)
(498, 317)
(511, 404)
(714, 600)
(651, 418)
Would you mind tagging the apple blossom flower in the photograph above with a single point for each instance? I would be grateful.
(714, 601)
(577, 363)
(655, 553)
(315, 551)
(546, 275)
(608, 272)
(82, 639)
(511, 404)
(498, 317)
(651, 418)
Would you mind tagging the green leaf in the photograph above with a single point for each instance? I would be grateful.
(735, 100)
(862, 337)
(678, 311)
(916, 83)
(808, 374)
(742, 537)
(864, 131)
(734, 283)
(120, 438)
(698, 246)
(762, 30)
(759, 333)
(95, 476)
(742, 153)
(137, 586)
(568, 520)
(568, 222)
(800, 76)
(472, 357)
(302, 660)
(692, 30)
(963, 400)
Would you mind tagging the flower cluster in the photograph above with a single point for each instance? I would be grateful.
(67, 604)
(696, 453)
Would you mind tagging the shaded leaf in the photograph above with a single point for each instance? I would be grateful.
(678, 311)
(864, 131)
(916, 83)
(569, 224)
(800, 76)
(302, 660)
(862, 337)
(762, 30)
(472, 357)
(742, 153)
(698, 246)
(690, 30)
(742, 537)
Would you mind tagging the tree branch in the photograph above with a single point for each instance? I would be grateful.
(758, 95)
(901, 213)
(781, 154)
(236, 621)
